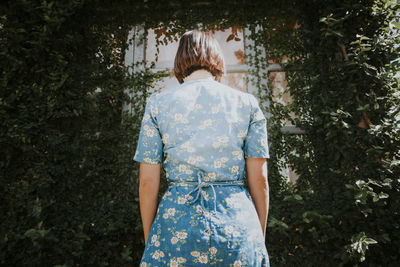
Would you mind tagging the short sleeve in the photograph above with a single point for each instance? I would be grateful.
(149, 147)
(256, 140)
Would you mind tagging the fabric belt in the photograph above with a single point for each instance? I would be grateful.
(200, 185)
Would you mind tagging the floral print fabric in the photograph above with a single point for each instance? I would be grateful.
(201, 132)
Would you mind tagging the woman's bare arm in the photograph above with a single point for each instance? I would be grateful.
(257, 175)
(149, 184)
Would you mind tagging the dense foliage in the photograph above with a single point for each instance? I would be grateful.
(68, 188)
(343, 210)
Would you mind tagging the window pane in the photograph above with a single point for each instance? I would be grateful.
(233, 50)
(278, 84)
(235, 80)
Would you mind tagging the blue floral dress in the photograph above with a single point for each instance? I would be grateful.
(201, 131)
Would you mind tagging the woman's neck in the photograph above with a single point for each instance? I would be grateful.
(199, 74)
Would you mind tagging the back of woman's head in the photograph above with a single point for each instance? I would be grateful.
(198, 50)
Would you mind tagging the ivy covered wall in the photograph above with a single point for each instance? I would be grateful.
(68, 193)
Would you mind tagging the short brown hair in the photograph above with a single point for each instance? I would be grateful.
(198, 50)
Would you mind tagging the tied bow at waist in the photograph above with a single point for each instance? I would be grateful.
(200, 184)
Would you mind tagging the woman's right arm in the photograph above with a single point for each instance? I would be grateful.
(149, 184)
(257, 176)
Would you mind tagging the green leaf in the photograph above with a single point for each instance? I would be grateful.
(383, 195)
(349, 186)
(298, 197)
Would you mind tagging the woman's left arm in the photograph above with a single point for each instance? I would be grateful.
(149, 184)
(257, 175)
